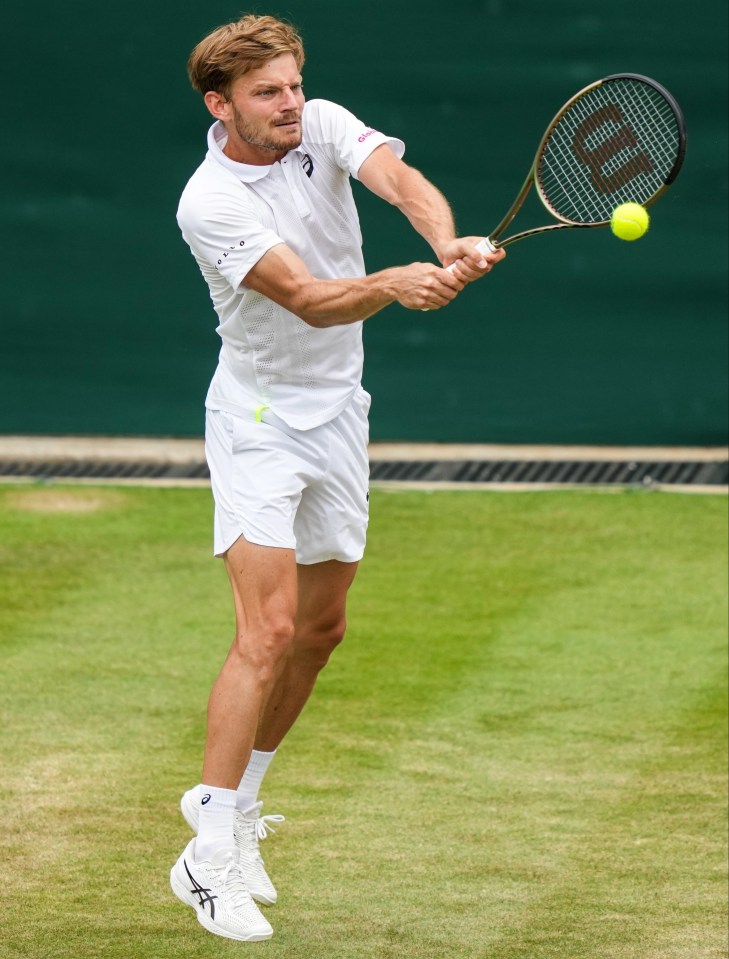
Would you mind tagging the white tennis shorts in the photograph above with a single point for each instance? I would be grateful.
(306, 490)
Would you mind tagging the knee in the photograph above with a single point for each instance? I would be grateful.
(264, 648)
(315, 642)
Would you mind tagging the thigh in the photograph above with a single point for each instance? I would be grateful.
(322, 595)
(265, 587)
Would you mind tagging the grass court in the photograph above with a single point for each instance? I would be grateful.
(519, 752)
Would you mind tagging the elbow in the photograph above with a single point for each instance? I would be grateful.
(302, 307)
(323, 320)
(316, 306)
(314, 321)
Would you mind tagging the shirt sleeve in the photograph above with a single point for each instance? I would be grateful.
(350, 140)
(225, 232)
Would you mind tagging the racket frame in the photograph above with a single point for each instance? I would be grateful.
(532, 179)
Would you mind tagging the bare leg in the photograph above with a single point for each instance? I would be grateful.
(319, 626)
(264, 584)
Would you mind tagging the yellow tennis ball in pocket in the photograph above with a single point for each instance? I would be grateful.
(629, 221)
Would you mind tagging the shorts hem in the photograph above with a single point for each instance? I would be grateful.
(326, 558)
(219, 553)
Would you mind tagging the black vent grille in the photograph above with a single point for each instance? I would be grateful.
(100, 469)
(570, 472)
(707, 473)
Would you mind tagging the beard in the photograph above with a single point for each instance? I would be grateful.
(271, 139)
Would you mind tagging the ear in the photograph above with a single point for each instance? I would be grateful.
(216, 103)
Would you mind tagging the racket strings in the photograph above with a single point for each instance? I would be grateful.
(615, 143)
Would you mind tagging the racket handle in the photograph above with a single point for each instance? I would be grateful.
(485, 246)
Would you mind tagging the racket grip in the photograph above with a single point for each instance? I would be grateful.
(485, 246)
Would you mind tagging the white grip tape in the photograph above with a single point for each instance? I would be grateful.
(485, 246)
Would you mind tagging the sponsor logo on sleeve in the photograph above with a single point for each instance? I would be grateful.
(224, 256)
(367, 133)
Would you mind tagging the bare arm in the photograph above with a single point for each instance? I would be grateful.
(427, 210)
(283, 277)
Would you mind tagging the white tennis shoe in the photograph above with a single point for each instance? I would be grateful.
(249, 829)
(217, 892)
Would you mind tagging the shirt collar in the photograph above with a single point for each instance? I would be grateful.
(248, 173)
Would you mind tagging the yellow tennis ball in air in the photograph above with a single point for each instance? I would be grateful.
(629, 221)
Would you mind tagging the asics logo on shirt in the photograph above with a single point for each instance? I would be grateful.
(206, 799)
(202, 893)
(308, 164)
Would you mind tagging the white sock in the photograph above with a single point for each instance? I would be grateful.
(215, 832)
(247, 793)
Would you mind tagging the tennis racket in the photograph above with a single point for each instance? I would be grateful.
(619, 140)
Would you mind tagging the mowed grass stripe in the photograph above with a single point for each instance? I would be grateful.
(518, 750)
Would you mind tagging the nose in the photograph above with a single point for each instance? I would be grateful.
(288, 99)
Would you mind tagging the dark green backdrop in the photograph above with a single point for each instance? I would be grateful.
(107, 326)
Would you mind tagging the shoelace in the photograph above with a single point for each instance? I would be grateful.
(233, 882)
(257, 830)
(262, 827)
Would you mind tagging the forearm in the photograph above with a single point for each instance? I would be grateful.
(323, 303)
(426, 208)
(284, 278)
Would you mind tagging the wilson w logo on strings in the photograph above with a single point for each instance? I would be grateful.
(596, 158)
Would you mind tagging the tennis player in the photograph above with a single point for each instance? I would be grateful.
(270, 218)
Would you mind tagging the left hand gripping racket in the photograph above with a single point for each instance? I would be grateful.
(619, 140)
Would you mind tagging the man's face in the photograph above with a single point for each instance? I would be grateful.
(264, 112)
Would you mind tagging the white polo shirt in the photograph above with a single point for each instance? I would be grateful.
(231, 214)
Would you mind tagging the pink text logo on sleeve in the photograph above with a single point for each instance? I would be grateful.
(365, 135)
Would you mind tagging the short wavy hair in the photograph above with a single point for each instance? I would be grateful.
(231, 51)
